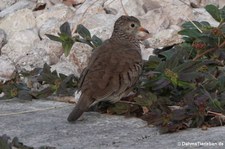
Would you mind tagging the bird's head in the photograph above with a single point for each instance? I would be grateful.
(131, 27)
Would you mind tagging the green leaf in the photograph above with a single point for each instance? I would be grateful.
(185, 84)
(46, 92)
(161, 67)
(55, 73)
(222, 27)
(222, 14)
(160, 84)
(174, 60)
(62, 76)
(188, 66)
(187, 39)
(209, 39)
(67, 47)
(190, 25)
(54, 38)
(221, 83)
(214, 12)
(67, 43)
(47, 76)
(83, 32)
(212, 84)
(64, 37)
(96, 41)
(4, 143)
(10, 90)
(65, 29)
(146, 100)
(202, 25)
(152, 62)
(216, 103)
(190, 33)
(205, 24)
(168, 54)
(67, 85)
(190, 76)
(179, 114)
(119, 108)
(25, 95)
(46, 68)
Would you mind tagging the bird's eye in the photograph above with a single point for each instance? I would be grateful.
(132, 25)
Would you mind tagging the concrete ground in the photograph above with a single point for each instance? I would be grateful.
(47, 125)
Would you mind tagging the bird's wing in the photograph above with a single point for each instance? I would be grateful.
(111, 71)
(82, 76)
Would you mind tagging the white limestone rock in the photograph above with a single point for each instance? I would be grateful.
(19, 48)
(65, 67)
(79, 56)
(17, 21)
(3, 39)
(52, 51)
(60, 12)
(200, 14)
(6, 3)
(7, 68)
(132, 7)
(17, 6)
(51, 26)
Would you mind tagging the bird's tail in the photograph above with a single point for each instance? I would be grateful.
(82, 106)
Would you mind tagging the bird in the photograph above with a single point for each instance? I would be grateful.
(113, 68)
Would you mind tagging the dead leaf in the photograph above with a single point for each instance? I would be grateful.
(70, 2)
(145, 110)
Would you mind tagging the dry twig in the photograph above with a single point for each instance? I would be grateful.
(208, 51)
(195, 25)
(219, 116)
(82, 17)
(123, 8)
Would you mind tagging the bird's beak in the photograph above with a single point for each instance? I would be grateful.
(143, 30)
(142, 34)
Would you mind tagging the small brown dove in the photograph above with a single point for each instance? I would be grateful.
(113, 68)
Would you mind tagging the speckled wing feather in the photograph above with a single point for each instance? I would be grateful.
(113, 69)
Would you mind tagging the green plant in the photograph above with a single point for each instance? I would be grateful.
(65, 37)
(189, 78)
(38, 83)
(207, 41)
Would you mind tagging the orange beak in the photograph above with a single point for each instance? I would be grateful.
(143, 34)
(143, 30)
